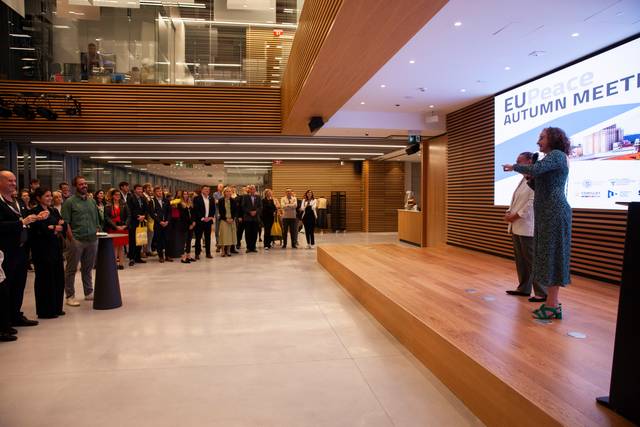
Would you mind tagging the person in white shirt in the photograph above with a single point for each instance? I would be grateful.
(289, 204)
(309, 217)
(520, 220)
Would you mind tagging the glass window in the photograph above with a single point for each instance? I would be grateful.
(49, 169)
(192, 42)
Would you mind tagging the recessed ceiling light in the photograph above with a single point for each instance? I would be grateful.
(575, 35)
(361, 102)
(463, 90)
(507, 68)
(412, 62)
(457, 24)
(383, 86)
(431, 106)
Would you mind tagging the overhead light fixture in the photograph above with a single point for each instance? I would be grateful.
(383, 86)
(287, 153)
(431, 106)
(28, 59)
(457, 24)
(218, 81)
(243, 162)
(575, 35)
(507, 68)
(412, 62)
(23, 110)
(22, 48)
(224, 65)
(119, 161)
(25, 36)
(186, 143)
(361, 102)
(206, 158)
(61, 27)
(463, 90)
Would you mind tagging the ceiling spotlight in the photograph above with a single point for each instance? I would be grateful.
(47, 113)
(463, 90)
(72, 107)
(507, 68)
(575, 35)
(457, 24)
(361, 102)
(5, 111)
(431, 106)
(24, 110)
(412, 62)
(383, 86)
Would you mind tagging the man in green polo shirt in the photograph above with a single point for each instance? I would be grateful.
(81, 213)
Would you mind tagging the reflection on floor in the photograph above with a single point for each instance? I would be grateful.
(266, 339)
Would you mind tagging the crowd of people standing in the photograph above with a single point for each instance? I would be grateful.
(57, 232)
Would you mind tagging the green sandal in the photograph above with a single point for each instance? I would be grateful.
(548, 313)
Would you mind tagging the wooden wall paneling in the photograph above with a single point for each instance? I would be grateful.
(262, 66)
(322, 177)
(366, 166)
(339, 46)
(434, 191)
(152, 110)
(384, 191)
(474, 222)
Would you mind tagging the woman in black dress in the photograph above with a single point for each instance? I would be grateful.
(269, 210)
(46, 245)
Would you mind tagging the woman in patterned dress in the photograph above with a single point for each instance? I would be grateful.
(552, 223)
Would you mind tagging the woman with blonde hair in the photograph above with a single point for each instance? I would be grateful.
(186, 207)
(228, 211)
(269, 208)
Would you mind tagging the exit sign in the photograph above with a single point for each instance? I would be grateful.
(278, 32)
(277, 162)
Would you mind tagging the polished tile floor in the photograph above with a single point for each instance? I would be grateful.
(266, 339)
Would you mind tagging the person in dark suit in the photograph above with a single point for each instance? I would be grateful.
(251, 210)
(161, 213)
(138, 209)
(46, 246)
(204, 214)
(124, 191)
(228, 212)
(13, 237)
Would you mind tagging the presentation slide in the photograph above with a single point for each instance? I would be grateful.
(597, 103)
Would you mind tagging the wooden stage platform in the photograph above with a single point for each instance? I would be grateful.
(448, 307)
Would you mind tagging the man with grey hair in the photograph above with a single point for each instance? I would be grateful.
(13, 238)
(520, 220)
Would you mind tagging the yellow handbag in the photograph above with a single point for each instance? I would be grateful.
(276, 230)
(141, 234)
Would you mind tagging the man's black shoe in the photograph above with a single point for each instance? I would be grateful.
(10, 331)
(141, 261)
(23, 321)
(131, 263)
(7, 337)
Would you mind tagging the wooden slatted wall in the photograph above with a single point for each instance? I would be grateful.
(473, 222)
(322, 177)
(315, 23)
(153, 109)
(384, 193)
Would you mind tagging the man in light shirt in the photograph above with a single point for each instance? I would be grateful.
(289, 205)
(520, 220)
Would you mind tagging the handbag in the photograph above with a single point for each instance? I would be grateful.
(276, 230)
(141, 234)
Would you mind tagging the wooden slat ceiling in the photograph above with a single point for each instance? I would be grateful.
(474, 222)
(339, 46)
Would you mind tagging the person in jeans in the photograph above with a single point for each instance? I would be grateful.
(289, 205)
(81, 215)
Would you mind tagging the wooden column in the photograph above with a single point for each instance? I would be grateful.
(434, 191)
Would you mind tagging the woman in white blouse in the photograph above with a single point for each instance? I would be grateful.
(309, 216)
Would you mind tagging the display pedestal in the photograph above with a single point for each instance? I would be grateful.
(625, 373)
(106, 294)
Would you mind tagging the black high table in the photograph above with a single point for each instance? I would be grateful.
(106, 293)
